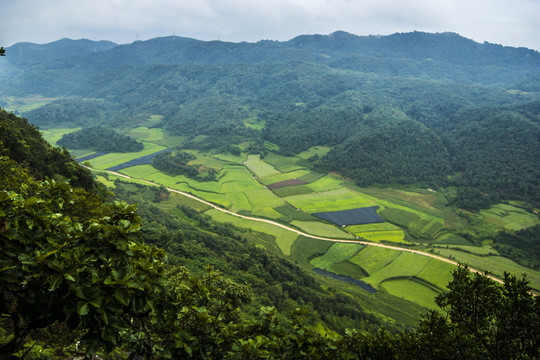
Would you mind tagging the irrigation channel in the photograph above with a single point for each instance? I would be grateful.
(367, 243)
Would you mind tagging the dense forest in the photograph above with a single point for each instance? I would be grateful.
(83, 273)
(99, 138)
(435, 110)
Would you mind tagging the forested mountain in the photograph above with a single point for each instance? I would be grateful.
(82, 276)
(435, 109)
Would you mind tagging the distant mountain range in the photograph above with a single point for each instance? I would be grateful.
(416, 107)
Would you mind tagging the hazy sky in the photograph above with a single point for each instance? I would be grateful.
(506, 22)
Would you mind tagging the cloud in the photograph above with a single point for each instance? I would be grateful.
(510, 23)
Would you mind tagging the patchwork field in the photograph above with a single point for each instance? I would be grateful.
(283, 189)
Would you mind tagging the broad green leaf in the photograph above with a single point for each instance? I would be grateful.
(82, 308)
(122, 295)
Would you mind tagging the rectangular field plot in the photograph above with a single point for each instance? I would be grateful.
(326, 183)
(334, 200)
(282, 163)
(397, 236)
(259, 167)
(405, 264)
(292, 190)
(373, 259)
(495, 264)
(53, 135)
(384, 226)
(113, 159)
(509, 217)
(144, 133)
(438, 273)
(336, 253)
(412, 290)
(366, 215)
(322, 229)
(277, 177)
(289, 182)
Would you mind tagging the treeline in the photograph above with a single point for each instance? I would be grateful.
(483, 140)
(99, 138)
(176, 163)
(81, 277)
(24, 144)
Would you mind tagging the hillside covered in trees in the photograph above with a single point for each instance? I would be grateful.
(436, 110)
(83, 273)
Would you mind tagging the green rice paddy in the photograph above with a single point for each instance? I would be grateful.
(241, 187)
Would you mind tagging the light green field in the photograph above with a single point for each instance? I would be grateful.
(322, 229)
(259, 167)
(405, 264)
(284, 238)
(282, 163)
(333, 200)
(478, 250)
(326, 183)
(411, 290)
(113, 159)
(336, 253)
(397, 236)
(145, 133)
(495, 264)
(373, 259)
(270, 179)
(53, 135)
(383, 226)
(25, 104)
(509, 217)
(315, 150)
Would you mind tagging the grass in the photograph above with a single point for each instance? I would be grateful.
(314, 150)
(373, 259)
(113, 159)
(277, 177)
(412, 290)
(509, 217)
(336, 253)
(311, 177)
(397, 236)
(347, 268)
(290, 213)
(282, 163)
(259, 167)
(53, 135)
(25, 104)
(321, 229)
(495, 264)
(384, 226)
(292, 190)
(304, 249)
(333, 200)
(145, 133)
(284, 239)
(326, 183)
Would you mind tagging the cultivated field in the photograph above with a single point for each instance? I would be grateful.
(283, 189)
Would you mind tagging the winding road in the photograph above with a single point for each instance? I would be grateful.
(214, 206)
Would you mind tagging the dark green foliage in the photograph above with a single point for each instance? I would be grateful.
(522, 246)
(403, 153)
(99, 138)
(177, 164)
(24, 144)
(497, 151)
